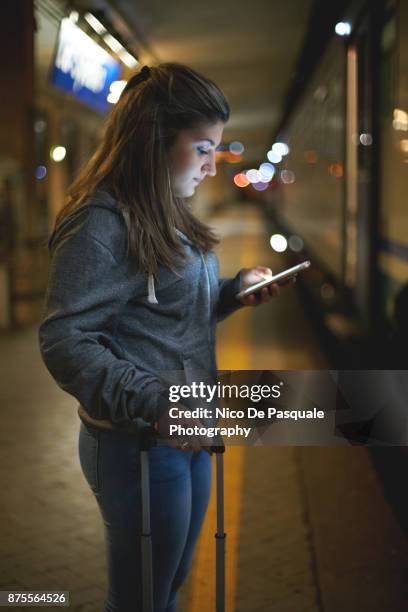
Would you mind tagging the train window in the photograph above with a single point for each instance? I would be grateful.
(316, 138)
(393, 214)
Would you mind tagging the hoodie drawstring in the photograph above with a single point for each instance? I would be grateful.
(151, 295)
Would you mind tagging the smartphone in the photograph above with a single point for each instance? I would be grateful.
(276, 278)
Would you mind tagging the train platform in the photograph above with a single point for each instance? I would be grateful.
(308, 528)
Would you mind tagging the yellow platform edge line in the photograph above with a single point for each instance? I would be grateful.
(202, 593)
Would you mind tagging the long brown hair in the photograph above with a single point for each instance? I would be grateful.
(131, 161)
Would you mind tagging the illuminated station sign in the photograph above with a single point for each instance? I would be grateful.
(82, 68)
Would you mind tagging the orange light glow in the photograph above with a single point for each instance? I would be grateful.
(241, 180)
(233, 158)
(336, 170)
(220, 155)
(228, 157)
(311, 157)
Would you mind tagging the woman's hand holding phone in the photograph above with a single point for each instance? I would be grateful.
(250, 276)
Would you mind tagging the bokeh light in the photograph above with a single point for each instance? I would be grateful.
(336, 170)
(39, 126)
(58, 153)
(241, 180)
(261, 186)
(343, 28)
(311, 156)
(40, 172)
(327, 292)
(280, 148)
(404, 145)
(232, 158)
(274, 157)
(366, 139)
(296, 243)
(287, 177)
(400, 120)
(236, 148)
(278, 243)
(254, 176)
(267, 171)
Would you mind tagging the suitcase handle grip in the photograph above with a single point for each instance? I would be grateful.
(219, 448)
(149, 438)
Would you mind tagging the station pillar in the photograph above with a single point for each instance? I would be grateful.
(17, 180)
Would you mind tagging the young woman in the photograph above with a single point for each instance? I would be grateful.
(134, 292)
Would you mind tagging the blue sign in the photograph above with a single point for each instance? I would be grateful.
(82, 68)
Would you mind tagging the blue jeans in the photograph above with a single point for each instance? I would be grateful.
(180, 484)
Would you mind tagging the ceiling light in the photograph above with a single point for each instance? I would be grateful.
(95, 23)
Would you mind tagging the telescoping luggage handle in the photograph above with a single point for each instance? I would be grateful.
(147, 440)
(220, 535)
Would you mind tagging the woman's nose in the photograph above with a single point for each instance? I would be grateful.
(209, 166)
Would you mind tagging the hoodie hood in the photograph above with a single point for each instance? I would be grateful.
(103, 199)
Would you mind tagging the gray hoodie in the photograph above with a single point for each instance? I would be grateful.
(109, 335)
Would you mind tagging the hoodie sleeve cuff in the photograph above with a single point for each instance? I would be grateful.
(155, 404)
(227, 302)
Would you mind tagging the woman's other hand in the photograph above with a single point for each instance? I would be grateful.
(250, 276)
(185, 443)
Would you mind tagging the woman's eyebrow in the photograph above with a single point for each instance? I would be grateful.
(208, 140)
